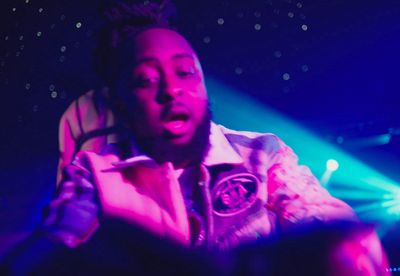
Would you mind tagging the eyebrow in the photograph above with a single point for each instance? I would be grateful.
(174, 57)
(183, 55)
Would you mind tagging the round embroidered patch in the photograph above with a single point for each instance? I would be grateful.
(234, 194)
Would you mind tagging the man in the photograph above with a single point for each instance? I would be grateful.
(175, 173)
(222, 188)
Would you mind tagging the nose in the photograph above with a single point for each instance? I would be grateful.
(170, 89)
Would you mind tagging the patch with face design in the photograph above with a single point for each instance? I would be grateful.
(234, 194)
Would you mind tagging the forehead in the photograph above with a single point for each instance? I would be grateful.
(161, 44)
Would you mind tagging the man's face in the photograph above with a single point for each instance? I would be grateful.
(168, 94)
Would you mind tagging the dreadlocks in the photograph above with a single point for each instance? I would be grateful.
(125, 19)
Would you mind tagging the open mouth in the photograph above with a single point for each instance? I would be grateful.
(175, 121)
(177, 117)
(176, 114)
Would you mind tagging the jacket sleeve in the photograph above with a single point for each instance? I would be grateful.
(296, 196)
(72, 216)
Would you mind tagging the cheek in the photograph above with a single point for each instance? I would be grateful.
(147, 115)
(150, 112)
(199, 108)
(200, 100)
(197, 90)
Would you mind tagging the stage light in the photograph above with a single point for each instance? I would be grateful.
(371, 141)
(332, 165)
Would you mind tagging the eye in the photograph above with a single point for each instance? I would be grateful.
(186, 72)
(146, 82)
(145, 76)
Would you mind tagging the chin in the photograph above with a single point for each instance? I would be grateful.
(179, 140)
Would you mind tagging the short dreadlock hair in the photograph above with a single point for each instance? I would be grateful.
(124, 20)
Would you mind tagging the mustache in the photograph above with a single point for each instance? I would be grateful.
(175, 108)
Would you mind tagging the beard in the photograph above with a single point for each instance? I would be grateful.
(161, 149)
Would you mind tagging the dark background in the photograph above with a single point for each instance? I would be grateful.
(330, 65)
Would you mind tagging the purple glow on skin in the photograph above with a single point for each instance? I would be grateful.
(168, 75)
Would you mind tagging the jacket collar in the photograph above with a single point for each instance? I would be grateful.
(221, 151)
